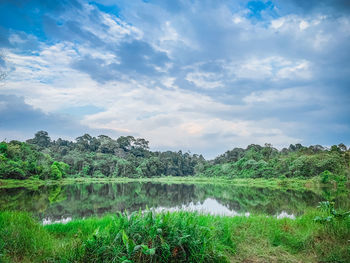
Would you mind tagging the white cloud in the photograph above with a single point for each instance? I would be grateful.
(278, 23)
(286, 97)
(110, 28)
(296, 70)
(170, 118)
(285, 51)
(294, 23)
(273, 68)
(46, 79)
(178, 119)
(303, 25)
(15, 38)
(204, 80)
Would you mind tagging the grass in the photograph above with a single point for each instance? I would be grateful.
(22, 239)
(288, 183)
(174, 237)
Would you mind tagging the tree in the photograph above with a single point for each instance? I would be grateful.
(268, 151)
(87, 143)
(151, 167)
(296, 147)
(3, 148)
(41, 138)
(141, 143)
(342, 147)
(335, 148)
(107, 144)
(316, 148)
(125, 142)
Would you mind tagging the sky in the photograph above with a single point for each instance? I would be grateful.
(203, 76)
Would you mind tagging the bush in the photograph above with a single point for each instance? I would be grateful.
(3, 148)
(11, 170)
(55, 172)
(325, 176)
(146, 237)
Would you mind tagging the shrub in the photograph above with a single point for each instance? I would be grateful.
(325, 176)
(147, 237)
(55, 172)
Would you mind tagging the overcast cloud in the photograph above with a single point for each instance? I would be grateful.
(204, 76)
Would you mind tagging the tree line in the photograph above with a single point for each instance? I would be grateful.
(101, 156)
(295, 161)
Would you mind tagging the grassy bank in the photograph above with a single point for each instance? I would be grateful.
(294, 183)
(174, 237)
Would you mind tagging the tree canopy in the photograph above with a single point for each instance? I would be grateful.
(101, 156)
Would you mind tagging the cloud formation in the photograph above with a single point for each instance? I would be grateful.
(204, 76)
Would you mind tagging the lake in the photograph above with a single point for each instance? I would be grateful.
(65, 202)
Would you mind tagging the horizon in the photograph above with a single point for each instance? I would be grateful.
(325, 147)
(199, 76)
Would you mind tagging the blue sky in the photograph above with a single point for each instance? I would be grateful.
(203, 76)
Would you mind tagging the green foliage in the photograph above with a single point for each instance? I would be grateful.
(63, 167)
(329, 213)
(127, 156)
(150, 237)
(12, 169)
(3, 148)
(297, 161)
(179, 237)
(326, 176)
(20, 160)
(23, 238)
(41, 139)
(173, 237)
(55, 172)
(151, 167)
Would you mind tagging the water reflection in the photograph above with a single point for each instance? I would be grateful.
(84, 200)
(49, 221)
(209, 206)
(212, 207)
(284, 214)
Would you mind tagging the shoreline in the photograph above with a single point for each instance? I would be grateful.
(288, 183)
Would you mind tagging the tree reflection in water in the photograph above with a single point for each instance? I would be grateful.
(95, 199)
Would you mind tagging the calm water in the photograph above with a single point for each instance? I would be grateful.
(52, 203)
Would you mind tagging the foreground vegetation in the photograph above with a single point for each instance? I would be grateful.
(103, 157)
(177, 237)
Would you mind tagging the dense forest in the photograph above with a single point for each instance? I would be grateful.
(102, 156)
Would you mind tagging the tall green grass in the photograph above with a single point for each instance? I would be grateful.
(174, 237)
(147, 237)
(23, 239)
